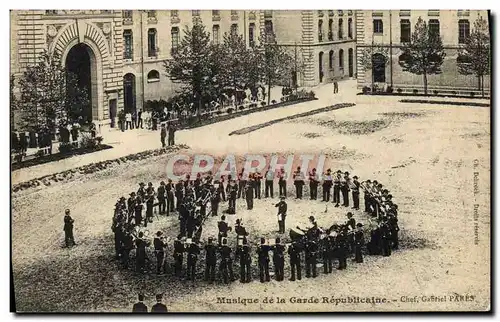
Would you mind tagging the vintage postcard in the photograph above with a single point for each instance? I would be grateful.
(250, 160)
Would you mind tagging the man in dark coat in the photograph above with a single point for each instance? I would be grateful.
(159, 307)
(162, 198)
(249, 190)
(243, 253)
(294, 251)
(179, 194)
(193, 251)
(263, 252)
(210, 260)
(140, 245)
(311, 255)
(140, 307)
(279, 260)
(68, 229)
(282, 209)
(226, 263)
(359, 242)
(169, 188)
(159, 246)
(223, 229)
(179, 250)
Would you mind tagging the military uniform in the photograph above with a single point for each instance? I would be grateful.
(279, 261)
(68, 230)
(342, 245)
(355, 193)
(394, 230)
(359, 242)
(336, 190)
(223, 229)
(249, 195)
(233, 193)
(269, 190)
(385, 238)
(344, 188)
(294, 251)
(140, 255)
(179, 194)
(178, 257)
(241, 184)
(169, 188)
(162, 200)
(374, 246)
(243, 252)
(210, 261)
(327, 186)
(313, 185)
(282, 209)
(214, 201)
(128, 245)
(192, 258)
(263, 254)
(226, 264)
(326, 249)
(159, 246)
(282, 183)
(139, 307)
(299, 183)
(257, 184)
(311, 255)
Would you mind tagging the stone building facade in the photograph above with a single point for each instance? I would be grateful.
(389, 28)
(123, 51)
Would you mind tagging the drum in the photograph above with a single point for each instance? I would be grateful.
(296, 234)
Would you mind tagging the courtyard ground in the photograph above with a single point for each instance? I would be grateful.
(426, 155)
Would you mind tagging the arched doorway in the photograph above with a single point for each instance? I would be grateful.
(81, 64)
(129, 93)
(351, 62)
(378, 68)
(321, 74)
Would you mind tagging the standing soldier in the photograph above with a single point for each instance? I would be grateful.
(117, 229)
(355, 192)
(162, 204)
(159, 246)
(311, 253)
(257, 184)
(327, 185)
(373, 245)
(140, 245)
(159, 307)
(178, 255)
(342, 249)
(313, 184)
(326, 250)
(335, 86)
(221, 189)
(298, 178)
(359, 242)
(197, 186)
(243, 252)
(294, 251)
(249, 194)
(163, 134)
(233, 193)
(367, 191)
(269, 183)
(140, 307)
(141, 192)
(171, 133)
(179, 194)
(223, 229)
(193, 250)
(128, 245)
(263, 252)
(138, 211)
(226, 263)
(385, 235)
(131, 206)
(242, 182)
(68, 229)
(214, 201)
(394, 229)
(336, 188)
(279, 260)
(345, 187)
(282, 182)
(210, 260)
(351, 222)
(282, 208)
(150, 199)
(170, 196)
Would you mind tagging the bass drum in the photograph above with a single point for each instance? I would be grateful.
(296, 235)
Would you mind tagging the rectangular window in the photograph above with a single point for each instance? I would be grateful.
(268, 27)
(234, 12)
(405, 30)
(234, 28)
(196, 13)
(268, 14)
(349, 28)
(341, 27)
(151, 13)
(463, 30)
(175, 39)
(215, 34)
(152, 49)
(215, 13)
(128, 42)
(174, 13)
(378, 26)
(434, 27)
(251, 34)
(127, 14)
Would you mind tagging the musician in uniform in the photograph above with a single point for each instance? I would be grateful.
(326, 250)
(128, 245)
(138, 211)
(214, 201)
(298, 178)
(336, 188)
(117, 229)
(249, 193)
(282, 182)
(351, 222)
(279, 260)
(131, 205)
(385, 237)
(344, 188)
(242, 182)
(394, 230)
(313, 184)
(375, 241)
(162, 204)
(223, 229)
(263, 254)
(140, 307)
(311, 253)
(269, 183)
(282, 209)
(342, 245)
(355, 192)
(233, 193)
(197, 186)
(294, 251)
(359, 242)
(169, 192)
(178, 255)
(193, 250)
(141, 192)
(367, 192)
(68, 229)
(257, 177)
(243, 253)
(226, 263)
(159, 307)
(221, 189)
(210, 260)
(179, 194)
(327, 185)
(140, 245)
(159, 246)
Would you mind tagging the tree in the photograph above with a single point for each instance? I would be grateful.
(367, 59)
(235, 54)
(424, 54)
(49, 94)
(190, 64)
(276, 63)
(474, 55)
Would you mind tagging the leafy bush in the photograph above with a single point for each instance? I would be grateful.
(65, 147)
(436, 92)
(400, 90)
(415, 91)
(389, 89)
(230, 110)
(87, 141)
(366, 90)
(242, 107)
(273, 102)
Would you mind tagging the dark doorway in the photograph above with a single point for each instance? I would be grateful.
(79, 63)
(321, 73)
(112, 111)
(378, 68)
(129, 93)
(350, 62)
